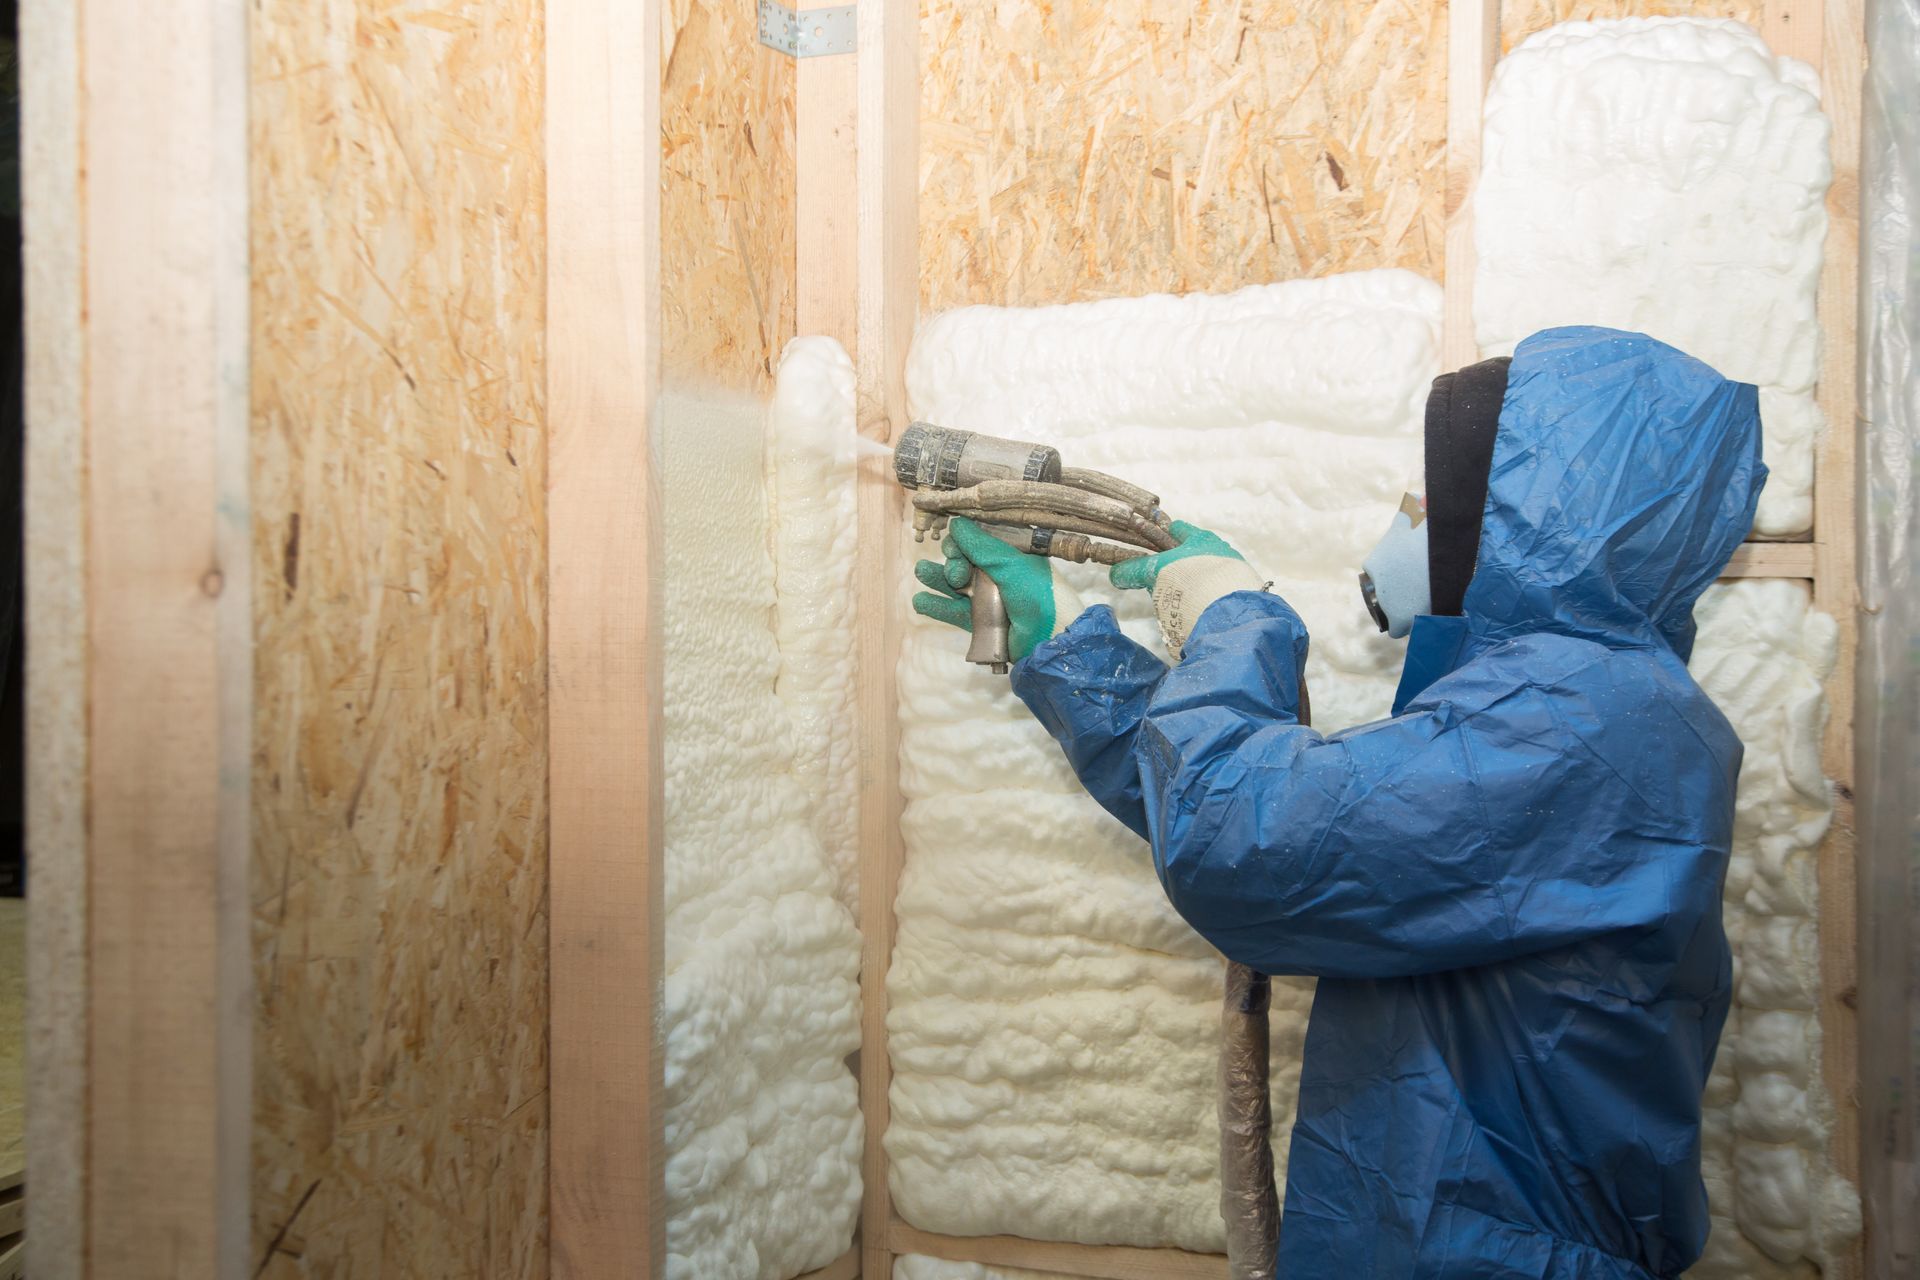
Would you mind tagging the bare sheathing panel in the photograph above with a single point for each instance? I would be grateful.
(399, 776)
(1088, 149)
(727, 198)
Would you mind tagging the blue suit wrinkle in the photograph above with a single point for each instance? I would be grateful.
(1510, 889)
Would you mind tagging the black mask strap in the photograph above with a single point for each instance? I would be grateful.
(1463, 415)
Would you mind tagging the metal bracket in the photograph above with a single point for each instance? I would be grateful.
(810, 33)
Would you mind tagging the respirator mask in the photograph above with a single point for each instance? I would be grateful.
(1427, 558)
(1394, 580)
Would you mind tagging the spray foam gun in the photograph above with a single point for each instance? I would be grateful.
(1021, 494)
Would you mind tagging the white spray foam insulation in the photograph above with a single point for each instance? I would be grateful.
(1052, 1021)
(1778, 1204)
(1664, 175)
(810, 481)
(763, 1128)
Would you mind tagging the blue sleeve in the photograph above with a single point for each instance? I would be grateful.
(1504, 813)
(1089, 686)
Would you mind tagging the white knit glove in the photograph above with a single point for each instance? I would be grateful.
(1186, 587)
(1187, 579)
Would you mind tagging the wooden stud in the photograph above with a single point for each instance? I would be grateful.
(1830, 36)
(1094, 1262)
(1473, 44)
(844, 1267)
(162, 231)
(825, 237)
(887, 165)
(1833, 33)
(604, 673)
(56, 629)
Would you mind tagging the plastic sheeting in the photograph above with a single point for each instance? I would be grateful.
(1887, 726)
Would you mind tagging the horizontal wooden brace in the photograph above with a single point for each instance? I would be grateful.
(1772, 560)
(1090, 1261)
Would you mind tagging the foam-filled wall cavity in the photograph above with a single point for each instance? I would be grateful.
(810, 480)
(1668, 176)
(1764, 655)
(1052, 1021)
(763, 1128)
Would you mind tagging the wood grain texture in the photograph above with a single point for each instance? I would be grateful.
(1095, 1262)
(164, 233)
(1771, 560)
(1098, 148)
(1521, 18)
(888, 119)
(1473, 45)
(727, 208)
(56, 633)
(1831, 34)
(400, 904)
(604, 344)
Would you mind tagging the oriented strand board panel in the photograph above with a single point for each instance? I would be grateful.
(727, 197)
(1099, 148)
(1521, 18)
(399, 778)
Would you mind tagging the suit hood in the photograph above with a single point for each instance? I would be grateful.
(1624, 475)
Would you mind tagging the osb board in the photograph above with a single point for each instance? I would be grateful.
(726, 197)
(1521, 18)
(1089, 148)
(399, 778)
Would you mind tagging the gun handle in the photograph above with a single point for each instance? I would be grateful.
(989, 646)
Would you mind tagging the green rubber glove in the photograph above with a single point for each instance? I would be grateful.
(1039, 605)
(1185, 580)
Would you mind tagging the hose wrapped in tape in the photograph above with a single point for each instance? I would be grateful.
(1248, 1202)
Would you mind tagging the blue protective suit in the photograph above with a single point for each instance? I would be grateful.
(1510, 890)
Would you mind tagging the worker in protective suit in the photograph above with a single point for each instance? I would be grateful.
(1509, 890)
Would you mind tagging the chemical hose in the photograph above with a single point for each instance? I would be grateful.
(1249, 1205)
(1249, 1202)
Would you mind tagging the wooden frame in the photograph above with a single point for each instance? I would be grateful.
(603, 360)
(888, 290)
(140, 635)
(141, 682)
